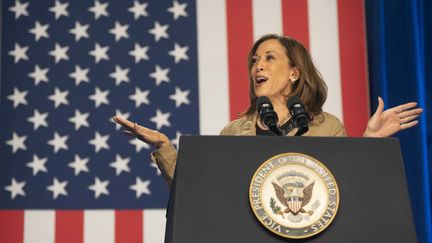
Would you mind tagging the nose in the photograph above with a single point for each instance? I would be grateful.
(259, 65)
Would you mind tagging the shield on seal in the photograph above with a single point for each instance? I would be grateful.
(294, 204)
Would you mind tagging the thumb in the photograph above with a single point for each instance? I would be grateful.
(380, 107)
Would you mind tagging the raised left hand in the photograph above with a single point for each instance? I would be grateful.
(388, 122)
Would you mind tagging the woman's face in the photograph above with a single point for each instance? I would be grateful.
(271, 72)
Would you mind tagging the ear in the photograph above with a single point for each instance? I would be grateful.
(295, 75)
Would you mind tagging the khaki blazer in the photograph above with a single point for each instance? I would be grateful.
(322, 125)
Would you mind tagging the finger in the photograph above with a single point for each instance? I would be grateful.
(409, 124)
(409, 118)
(138, 129)
(135, 127)
(380, 107)
(141, 136)
(129, 133)
(403, 107)
(408, 113)
(124, 122)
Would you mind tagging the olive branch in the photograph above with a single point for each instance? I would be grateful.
(275, 208)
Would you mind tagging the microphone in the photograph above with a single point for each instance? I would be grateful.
(299, 115)
(268, 116)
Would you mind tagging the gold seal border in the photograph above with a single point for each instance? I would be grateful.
(260, 193)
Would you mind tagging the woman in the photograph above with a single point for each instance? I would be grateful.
(279, 68)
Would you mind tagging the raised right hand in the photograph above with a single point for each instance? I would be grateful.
(144, 134)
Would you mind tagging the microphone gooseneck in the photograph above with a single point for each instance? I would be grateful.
(267, 114)
(299, 115)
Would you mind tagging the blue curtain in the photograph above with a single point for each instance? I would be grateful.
(399, 38)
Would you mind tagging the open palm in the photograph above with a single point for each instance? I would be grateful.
(388, 122)
(145, 134)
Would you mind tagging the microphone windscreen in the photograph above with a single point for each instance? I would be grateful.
(293, 100)
(262, 100)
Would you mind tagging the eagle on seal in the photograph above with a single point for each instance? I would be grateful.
(294, 199)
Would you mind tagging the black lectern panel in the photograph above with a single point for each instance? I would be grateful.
(209, 198)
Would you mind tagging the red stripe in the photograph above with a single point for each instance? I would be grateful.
(240, 39)
(129, 226)
(355, 95)
(69, 226)
(295, 20)
(12, 226)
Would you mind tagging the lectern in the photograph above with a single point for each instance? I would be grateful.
(209, 199)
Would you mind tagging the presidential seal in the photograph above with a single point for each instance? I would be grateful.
(294, 195)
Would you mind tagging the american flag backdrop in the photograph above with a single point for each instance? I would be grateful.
(67, 173)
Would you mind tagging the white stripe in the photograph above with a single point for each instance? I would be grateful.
(324, 46)
(154, 225)
(99, 226)
(212, 66)
(267, 17)
(39, 226)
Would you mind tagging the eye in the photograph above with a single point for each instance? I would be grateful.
(269, 57)
(254, 60)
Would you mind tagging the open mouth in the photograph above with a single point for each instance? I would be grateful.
(260, 80)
